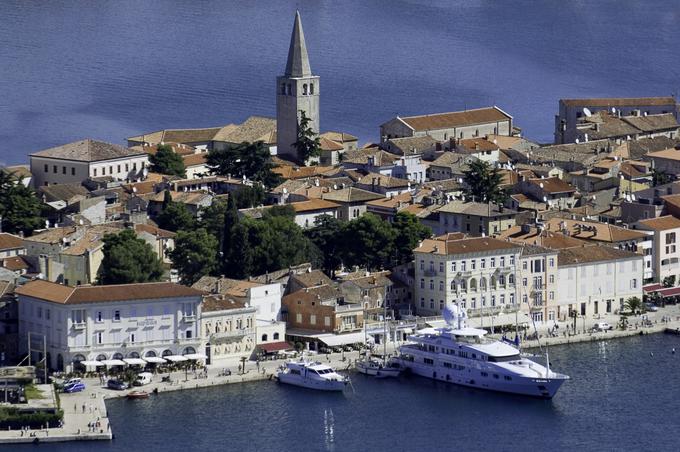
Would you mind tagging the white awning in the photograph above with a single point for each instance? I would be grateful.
(135, 361)
(113, 362)
(176, 358)
(334, 340)
(195, 356)
(154, 359)
(92, 363)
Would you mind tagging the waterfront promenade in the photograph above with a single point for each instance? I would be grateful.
(81, 409)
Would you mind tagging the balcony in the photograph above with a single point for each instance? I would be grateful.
(348, 307)
(79, 326)
(189, 318)
(430, 273)
(233, 333)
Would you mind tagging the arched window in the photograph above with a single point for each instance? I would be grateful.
(99, 357)
(276, 336)
(482, 284)
(133, 355)
(473, 284)
(189, 351)
(454, 286)
(304, 89)
(311, 88)
(264, 338)
(117, 356)
(150, 354)
(166, 353)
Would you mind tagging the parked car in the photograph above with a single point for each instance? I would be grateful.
(143, 378)
(74, 387)
(117, 385)
(651, 307)
(602, 326)
(65, 383)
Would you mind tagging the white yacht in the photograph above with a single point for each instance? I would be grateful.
(463, 356)
(312, 375)
(378, 368)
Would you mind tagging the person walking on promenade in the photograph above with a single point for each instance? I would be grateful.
(84, 407)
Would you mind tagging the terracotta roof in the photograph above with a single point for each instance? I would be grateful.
(329, 145)
(411, 145)
(296, 172)
(464, 246)
(473, 145)
(186, 197)
(351, 194)
(10, 242)
(255, 128)
(177, 136)
(217, 303)
(383, 181)
(53, 235)
(668, 154)
(312, 279)
(455, 119)
(451, 236)
(15, 263)
(340, 137)
(619, 101)
(195, 159)
(154, 231)
(393, 201)
(141, 188)
(593, 253)
(58, 293)
(546, 239)
(87, 151)
(661, 223)
(652, 123)
(362, 157)
(475, 208)
(312, 205)
(593, 230)
(179, 148)
(18, 171)
(553, 185)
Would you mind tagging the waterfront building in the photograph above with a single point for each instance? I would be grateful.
(537, 282)
(228, 328)
(594, 280)
(78, 161)
(442, 126)
(571, 111)
(297, 90)
(665, 253)
(323, 310)
(474, 218)
(115, 322)
(480, 271)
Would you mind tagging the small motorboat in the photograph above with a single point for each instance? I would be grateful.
(138, 395)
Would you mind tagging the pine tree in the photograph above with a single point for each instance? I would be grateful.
(483, 183)
(307, 144)
(194, 255)
(167, 161)
(128, 259)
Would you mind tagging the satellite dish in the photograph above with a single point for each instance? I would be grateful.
(545, 199)
(613, 110)
(541, 184)
(628, 198)
(285, 190)
(632, 196)
(587, 112)
(577, 141)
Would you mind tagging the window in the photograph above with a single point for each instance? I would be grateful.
(118, 168)
(94, 171)
(47, 168)
(453, 266)
(512, 260)
(54, 169)
(265, 338)
(63, 170)
(116, 316)
(189, 334)
(98, 316)
(73, 171)
(633, 283)
(431, 285)
(552, 262)
(304, 89)
(441, 286)
(441, 267)
(422, 264)
(473, 264)
(110, 169)
(100, 338)
(312, 319)
(327, 321)
(127, 167)
(502, 261)
(493, 262)
(311, 88)
(524, 282)
(298, 318)
(524, 265)
(551, 278)
(551, 296)
(462, 266)
(134, 166)
(422, 283)
(482, 263)
(512, 298)
(132, 337)
(276, 336)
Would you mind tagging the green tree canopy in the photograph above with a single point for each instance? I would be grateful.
(252, 160)
(368, 242)
(327, 236)
(212, 218)
(307, 143)
(175, 216)
(194, 255)
(128, 259)
(20, 208)
(483, 183)
(409, 231)
(248, 196)
(167, 161)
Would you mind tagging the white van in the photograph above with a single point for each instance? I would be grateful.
(143, 378)
(602, 326)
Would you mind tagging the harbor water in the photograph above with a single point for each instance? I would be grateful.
(622, 396)
(113, 69)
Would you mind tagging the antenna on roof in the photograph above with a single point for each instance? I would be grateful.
(587, 112)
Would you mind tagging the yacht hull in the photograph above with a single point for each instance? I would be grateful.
(319, 385)
(544, 388)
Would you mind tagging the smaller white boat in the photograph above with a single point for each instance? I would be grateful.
(376, 368)
(312, 375)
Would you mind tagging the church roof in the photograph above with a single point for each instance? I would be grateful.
(298, 61)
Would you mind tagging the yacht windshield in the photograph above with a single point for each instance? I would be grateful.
(503, 359)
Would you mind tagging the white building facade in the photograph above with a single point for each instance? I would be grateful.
(95, 323)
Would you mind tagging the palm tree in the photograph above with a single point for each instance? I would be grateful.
(634, 305)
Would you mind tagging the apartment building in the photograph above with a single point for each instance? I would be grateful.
(665, 252)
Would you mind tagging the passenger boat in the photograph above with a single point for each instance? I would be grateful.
(137, 395)
(463, 356)
(312, 375)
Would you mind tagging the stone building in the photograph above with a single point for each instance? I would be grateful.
(228, 327)
(296, 90)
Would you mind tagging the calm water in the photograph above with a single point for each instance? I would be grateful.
(112, 69)
(620, 398)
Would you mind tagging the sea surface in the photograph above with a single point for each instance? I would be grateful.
(623, 395)
(115, 68)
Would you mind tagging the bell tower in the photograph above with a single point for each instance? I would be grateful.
(296, 90)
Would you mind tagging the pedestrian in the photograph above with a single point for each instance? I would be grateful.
(84, 407)
(75, 407)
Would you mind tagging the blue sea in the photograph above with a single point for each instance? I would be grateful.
(620, 397)
(115, 68)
